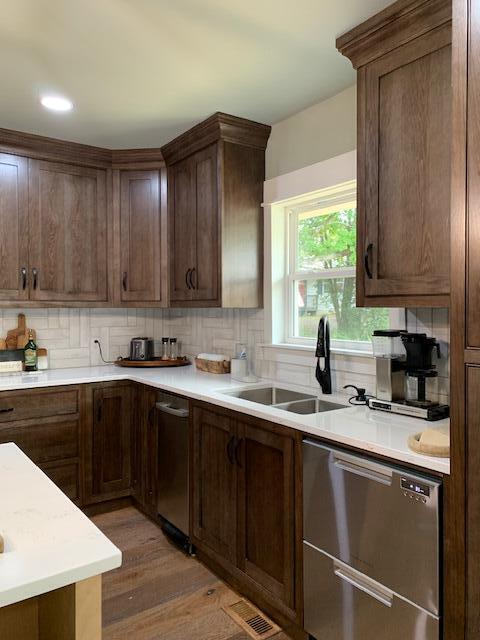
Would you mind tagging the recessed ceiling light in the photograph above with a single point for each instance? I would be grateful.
(56, 103)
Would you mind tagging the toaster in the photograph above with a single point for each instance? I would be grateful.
(141, 349)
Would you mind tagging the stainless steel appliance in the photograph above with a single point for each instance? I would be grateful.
(412, 371)
(172, 476)
(371, 548)
(390, 364)
(141, 349)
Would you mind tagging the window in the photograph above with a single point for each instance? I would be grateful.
(321, 272)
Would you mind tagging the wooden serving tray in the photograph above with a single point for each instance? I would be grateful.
(156, 362)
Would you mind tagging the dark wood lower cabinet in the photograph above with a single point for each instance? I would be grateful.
(244, 506)
(214, 483)
(108, 442)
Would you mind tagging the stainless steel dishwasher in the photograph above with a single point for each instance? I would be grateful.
(371, 548)
(172, 469)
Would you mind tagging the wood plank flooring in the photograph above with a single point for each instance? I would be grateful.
(159, 592)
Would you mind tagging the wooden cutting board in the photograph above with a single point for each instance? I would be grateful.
(13, 334)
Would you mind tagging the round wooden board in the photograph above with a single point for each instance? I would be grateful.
(157, 362)
(436, 451)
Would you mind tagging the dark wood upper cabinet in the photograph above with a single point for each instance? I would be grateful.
(215, 184)
(403, 59)
(140, 276)
(68, 233)
(13, 227)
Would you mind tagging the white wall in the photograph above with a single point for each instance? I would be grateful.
(325, 130)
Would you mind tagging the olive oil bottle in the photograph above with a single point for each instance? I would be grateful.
(30, 353)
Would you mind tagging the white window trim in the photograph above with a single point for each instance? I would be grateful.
(290, 189)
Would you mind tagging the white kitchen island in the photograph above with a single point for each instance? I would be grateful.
(50, 570)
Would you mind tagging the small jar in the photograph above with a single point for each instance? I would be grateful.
(165, 349)
(173, 349)
(42, 359)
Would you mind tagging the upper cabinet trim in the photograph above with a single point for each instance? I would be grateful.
(220, 126)
(396, 25)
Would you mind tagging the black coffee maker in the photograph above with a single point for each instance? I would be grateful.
(419, 370)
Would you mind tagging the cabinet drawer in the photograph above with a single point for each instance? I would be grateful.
(65, 476)
(37, 403)
(51, 439)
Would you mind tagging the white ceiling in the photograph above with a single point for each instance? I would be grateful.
(142, 71)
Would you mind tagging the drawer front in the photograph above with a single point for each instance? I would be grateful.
(341, 603)
(65, 476)
(37, 403)
(360, 512)
(50, 439)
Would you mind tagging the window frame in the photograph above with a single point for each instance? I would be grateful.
(330, 200)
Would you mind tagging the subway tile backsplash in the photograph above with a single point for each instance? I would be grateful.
(68, 334)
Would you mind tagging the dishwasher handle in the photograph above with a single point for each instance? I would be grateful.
(165, 407)
(363, 583)
(363, 468)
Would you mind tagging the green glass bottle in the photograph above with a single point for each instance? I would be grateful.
(30, 352)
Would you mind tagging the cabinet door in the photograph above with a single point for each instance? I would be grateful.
(109, 444)
(182, 233)
(405, 154)
(206, 269)
(140, 236)
(68, 233)
(214, 483)
(267, 510)
(13, 227)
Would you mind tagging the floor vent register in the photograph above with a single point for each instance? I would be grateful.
(253, 621)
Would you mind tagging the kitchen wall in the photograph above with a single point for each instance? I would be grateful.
(324, 130)
(68, 334)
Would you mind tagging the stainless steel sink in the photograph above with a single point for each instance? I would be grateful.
(270, 395)
(312, 405)
(293, 401)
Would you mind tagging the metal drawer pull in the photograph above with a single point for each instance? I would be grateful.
(9, 410)
(166, 408)
(361, 582)
(363, 468)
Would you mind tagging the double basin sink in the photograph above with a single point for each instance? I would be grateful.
(292, 401)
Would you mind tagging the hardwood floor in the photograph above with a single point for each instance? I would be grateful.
(159, 592)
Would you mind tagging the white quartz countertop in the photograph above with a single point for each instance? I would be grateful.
(359, 427)
(49, 542)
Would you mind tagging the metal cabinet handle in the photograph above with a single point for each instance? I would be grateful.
(193, 282)
(238, 444)
(366, 261)
(35, 278)
(187, 279)
(363, 583)
(230, 447)
(166, 408)
(124, 281)
(9, 410)
(23, 273)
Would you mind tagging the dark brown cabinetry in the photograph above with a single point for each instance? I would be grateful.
(140, 273)
(214, 488)
(215, 184)
(108, 442)
(13, 227)
(68, 233)
(403, 59)
(45, 424)
(243, 504)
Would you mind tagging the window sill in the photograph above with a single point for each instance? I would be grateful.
(311, 349)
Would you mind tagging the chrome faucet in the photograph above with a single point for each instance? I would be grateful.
(322, 372)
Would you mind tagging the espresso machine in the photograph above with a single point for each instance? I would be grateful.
(407, 380)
